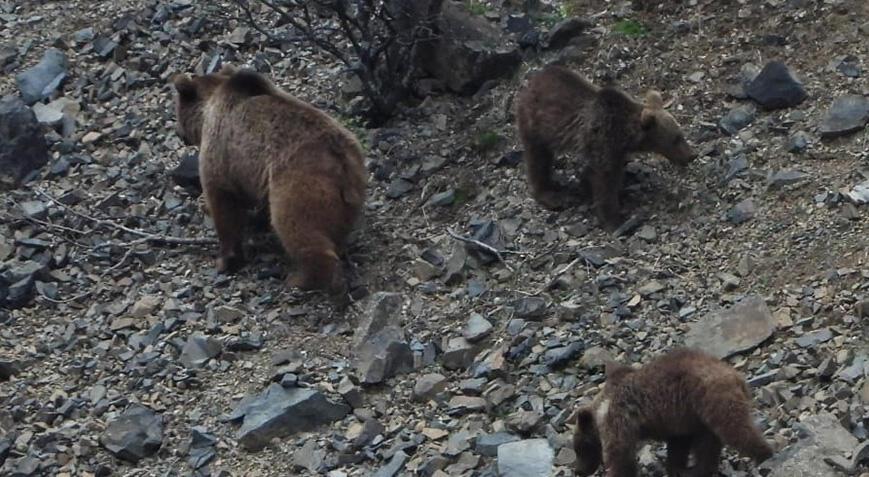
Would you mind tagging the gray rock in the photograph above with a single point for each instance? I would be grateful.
(526, 458)
(476, 328)
(734, 330)
(468, 52)
(776, 87)
(529, 308)
(34, 209)
(25, 270)
(398, 187)
(7, 54)
(310, 457)
(595, 357)
(859, 194)
(349, 391)
(383, 310)
(428, 386)
(798, 142)
(7, 369)
(781, 178)
(186, 174)
(40, 81)
(742, 212)
(848, 114)
(487, 444)
(382, 356)
(46, 114)
(198, 350)
(134, 435)
(858, 368)
(280, 412)
(814, 338)
(821, 437)
(562, 355)
(459, 353)
(360, 435)
(565, 31)
(459, 405)
(5, 446)
(393, 467)
(443, 199)
(201, 448)
(84, 35)
(22, 145)
(738, 118)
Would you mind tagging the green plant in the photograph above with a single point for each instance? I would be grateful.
(477, 8)
(487, 140)
(356, 126)
(630, 27)
(462, 196)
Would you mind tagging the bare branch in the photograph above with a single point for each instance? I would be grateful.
(482, 245)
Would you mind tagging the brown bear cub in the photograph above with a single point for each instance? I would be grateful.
(691, 400)
(559, 111)
(262, 148)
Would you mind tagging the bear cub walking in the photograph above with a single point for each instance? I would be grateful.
(691, 400)
(560, 111)
(262, 148)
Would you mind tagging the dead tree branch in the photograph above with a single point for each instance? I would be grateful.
(484, 246)
(376, 40)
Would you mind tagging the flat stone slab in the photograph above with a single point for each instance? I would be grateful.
(848, 114)
(526, 458)
(733, 330)
(280, 412)
(821, 438)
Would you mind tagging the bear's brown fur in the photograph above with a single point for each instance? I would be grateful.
(262, 148)
(691, 400)
(559, 111)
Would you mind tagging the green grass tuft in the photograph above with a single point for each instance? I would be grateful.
(487, 140)
(630, 27)
(477, 8)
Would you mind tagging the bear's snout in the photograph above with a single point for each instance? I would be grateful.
(683, 155)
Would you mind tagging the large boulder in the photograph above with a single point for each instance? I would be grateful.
(44, 78)
(279, 412)
(468, 52)
(22, 144)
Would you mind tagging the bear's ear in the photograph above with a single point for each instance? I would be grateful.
(654, 100)
(185, 86)
(647, 119)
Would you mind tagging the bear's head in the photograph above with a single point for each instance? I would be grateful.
(586, 442)
(662, 134)
(192, 92)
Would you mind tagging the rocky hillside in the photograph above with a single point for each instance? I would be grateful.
(480, 319)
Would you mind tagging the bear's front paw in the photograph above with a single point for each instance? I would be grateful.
(551, 199)
(229, 264)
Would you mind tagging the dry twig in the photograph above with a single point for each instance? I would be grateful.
(484, 246)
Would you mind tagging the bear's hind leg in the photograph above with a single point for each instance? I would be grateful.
(229, 218)
(707, 455)
(538, 164)
(320, 269)
(729, 417)
(678, 450)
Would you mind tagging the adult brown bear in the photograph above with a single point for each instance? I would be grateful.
(261, 147)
